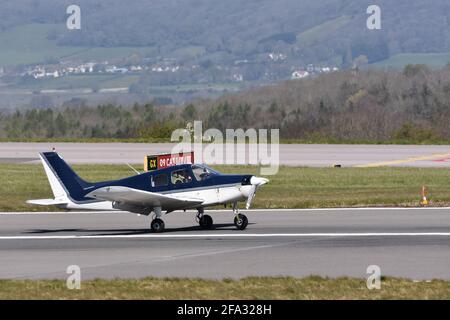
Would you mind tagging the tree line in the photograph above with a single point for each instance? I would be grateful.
(411, 105)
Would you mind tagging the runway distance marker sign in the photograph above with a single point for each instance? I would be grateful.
(160, 161)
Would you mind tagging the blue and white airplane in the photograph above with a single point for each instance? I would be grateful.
(181, 187)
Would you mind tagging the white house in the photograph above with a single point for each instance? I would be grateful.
(299, 74)
(238, 77)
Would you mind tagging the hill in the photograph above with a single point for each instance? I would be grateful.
(307, 31)
(181, 50)
(30, 44)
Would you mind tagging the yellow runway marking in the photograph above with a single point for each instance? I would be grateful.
(408, 160)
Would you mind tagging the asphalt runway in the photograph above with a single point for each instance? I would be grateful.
(289, 154)
(412, 243)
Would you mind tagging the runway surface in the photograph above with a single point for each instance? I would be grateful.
(289, 154)
(412, 243)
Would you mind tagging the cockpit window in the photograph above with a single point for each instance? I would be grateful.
(160, 180)
(202, 173)
(181, 176)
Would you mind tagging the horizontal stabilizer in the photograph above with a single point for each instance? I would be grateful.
(47, 202)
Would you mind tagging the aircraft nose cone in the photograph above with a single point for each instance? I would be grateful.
(258, 181)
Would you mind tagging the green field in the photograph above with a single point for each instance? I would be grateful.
(105, 81)
(434, 60)
(292, 187)
(28, 44)
(317, 33)
(249, 288)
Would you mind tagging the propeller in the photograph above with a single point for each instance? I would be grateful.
(255, 183)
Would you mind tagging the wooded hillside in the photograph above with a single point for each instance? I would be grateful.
(412, 105)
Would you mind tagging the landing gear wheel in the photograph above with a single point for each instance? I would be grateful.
(206, 222)
(157, 225)
(240, 221)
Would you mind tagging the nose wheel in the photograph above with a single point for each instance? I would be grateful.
(240, 221)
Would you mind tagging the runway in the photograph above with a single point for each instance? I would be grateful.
(314, 155)
(412, 243)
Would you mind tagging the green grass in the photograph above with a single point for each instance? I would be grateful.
(249, 288)
(292, 187)
(321, 31)
(29, 44)
(109, 53)
(435, 60)
(188, 51)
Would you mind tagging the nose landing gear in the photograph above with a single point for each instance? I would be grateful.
(240, 220)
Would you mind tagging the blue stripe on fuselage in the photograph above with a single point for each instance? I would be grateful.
(143, 181)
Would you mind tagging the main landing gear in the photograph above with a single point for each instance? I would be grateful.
(205, 221)
(157, 224)
(240, 220)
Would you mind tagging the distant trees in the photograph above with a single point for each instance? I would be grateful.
(370, 105)
(189, 112)
(103, 121)
(373, 105)
(411, 70)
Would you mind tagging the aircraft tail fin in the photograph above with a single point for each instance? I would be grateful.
(65, 183)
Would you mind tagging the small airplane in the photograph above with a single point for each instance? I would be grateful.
(179, 187)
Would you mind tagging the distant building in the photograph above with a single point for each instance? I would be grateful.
(239, 62)
(299, 74)
(136, 68)
(277, 56)
(238, 77)
(53, 74)
(165, 68)
(37, 73)
(114, 69)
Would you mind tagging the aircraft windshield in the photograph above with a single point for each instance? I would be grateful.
(202, 173)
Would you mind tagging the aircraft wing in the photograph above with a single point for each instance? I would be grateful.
(142, 198)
